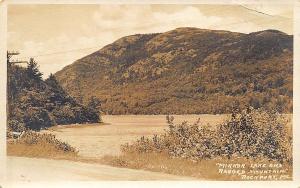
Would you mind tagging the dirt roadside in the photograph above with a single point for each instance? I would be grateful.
(33, 169)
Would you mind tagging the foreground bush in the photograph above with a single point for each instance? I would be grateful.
(33, 144)
(15, 125)
(250, 133)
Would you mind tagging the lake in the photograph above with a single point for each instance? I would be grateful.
(97, 140)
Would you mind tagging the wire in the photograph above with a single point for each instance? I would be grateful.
(60, 52)
(245, 21)
(260, 12)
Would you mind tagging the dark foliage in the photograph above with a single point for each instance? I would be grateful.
(36, 104)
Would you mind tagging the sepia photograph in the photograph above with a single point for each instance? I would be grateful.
(139, 92)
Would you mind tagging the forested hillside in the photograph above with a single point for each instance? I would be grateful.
(34, 103)
(186, 70)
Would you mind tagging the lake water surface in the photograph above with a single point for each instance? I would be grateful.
(95, 140)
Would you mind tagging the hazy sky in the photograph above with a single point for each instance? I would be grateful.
(57, 35)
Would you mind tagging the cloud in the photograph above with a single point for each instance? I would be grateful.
(131, 19)
(137, 18)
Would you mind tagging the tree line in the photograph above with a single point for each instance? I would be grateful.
(35, 104)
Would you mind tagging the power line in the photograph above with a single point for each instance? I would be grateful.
(61, 52)
(253, 10)
(245, 21)
(260, 12)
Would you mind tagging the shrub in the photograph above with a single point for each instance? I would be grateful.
(256, 133)
(64, 115)
(34, 138)
(250, 133)
(15, 125)
(37, 118)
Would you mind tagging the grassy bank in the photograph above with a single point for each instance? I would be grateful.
(205, 169)
(33, 144)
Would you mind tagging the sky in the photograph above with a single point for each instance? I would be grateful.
(58, 35)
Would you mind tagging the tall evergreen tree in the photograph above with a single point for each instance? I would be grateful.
(33, 71)
(53, 83)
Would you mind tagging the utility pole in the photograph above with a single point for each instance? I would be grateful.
(12, 53)
(10, 63)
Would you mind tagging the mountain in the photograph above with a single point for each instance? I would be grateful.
(186, 70)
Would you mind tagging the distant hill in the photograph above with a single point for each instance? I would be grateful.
(186, 70)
